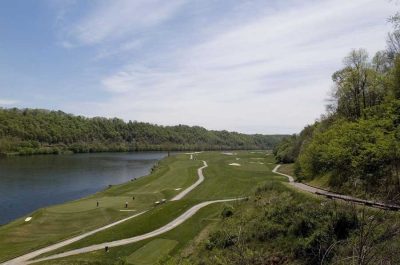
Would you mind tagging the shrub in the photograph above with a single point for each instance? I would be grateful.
(227, 212)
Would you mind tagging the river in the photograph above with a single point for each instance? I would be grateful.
(31, 182)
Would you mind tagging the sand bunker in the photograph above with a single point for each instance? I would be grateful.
(235, 164)
(228, 153)
(127, 210)
(178, 188)
(28, 219)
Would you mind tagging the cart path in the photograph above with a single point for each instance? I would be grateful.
(179, 220)
(332, 195)
(24, 258)
(197, 183)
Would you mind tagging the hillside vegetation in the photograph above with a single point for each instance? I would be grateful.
(276, 225)
(356, 144)
(33, 131)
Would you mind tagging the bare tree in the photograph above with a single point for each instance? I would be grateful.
(381, 62)
(393, 43)
(393, 39)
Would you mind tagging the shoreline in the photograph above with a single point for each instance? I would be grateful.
(84, 211)
(91, 194)
(50, 151)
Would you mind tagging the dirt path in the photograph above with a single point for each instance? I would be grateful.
(332, 195)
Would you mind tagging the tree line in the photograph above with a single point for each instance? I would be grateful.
(36, 131)
(356, 143)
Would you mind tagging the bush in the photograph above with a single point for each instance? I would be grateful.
(227, 211)
(221, 240)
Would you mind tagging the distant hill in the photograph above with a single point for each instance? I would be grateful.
(37, 131)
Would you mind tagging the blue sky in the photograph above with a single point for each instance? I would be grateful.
(248, 66)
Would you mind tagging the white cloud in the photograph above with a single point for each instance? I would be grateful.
(268, 75)
(111, 20)
(8, 102)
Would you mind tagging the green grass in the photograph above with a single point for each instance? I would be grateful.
(183, 234)
(56, 223)
(321, 182)
(268, 193)
(221, 181)
(287, 169)
(115, 202)
(152, 252)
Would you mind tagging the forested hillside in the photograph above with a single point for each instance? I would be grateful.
(355, 146)
(33, 131)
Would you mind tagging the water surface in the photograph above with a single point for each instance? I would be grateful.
(31, 182)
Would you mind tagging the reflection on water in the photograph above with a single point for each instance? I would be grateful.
(31, 182)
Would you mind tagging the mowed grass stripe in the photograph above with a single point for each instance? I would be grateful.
(237, 181)
(152, 252)
(54, 224)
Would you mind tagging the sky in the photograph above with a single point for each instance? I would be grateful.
(248, 66)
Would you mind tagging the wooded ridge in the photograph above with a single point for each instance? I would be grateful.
(37, 131)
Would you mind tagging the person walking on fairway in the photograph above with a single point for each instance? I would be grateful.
(126, 204)
(106, 249)
(97, 204)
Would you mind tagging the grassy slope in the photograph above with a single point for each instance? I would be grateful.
(287, 169)
(320, 182)
(152, 252)
(275, 246)
(221, 181)
(53, 224)
(182, 234)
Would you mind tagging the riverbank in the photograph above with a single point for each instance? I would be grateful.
(276, 223)
(172, 173)
(28, 183)
(55, 223)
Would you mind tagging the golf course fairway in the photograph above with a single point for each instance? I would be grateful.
(228, 176)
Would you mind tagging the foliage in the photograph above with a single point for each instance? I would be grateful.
(279, 227)
(362, 155)
(32, 131)
(288, 149)
(356, 144)
(227, 211)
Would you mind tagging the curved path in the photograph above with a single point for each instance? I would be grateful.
(179, 220)
(332, 195)
(24, 258)
(197, 183)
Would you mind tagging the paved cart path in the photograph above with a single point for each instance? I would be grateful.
(197, 183)
(179, 220)
(333, 195)
(31, 255)
(24, 258)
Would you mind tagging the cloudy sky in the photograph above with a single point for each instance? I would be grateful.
(249, 66)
